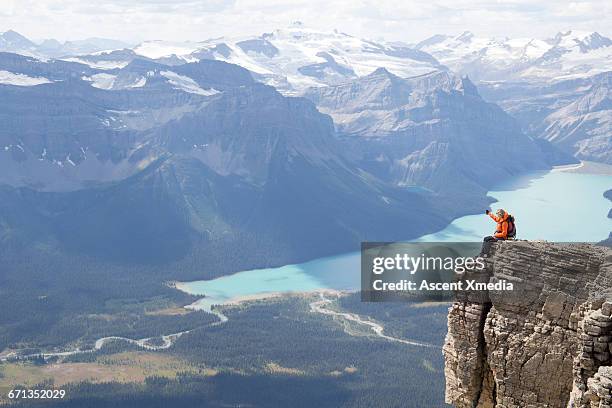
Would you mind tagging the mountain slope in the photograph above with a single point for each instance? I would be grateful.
(574, 114)
(151, 163)
(84, 124)
(432, 131)
(248, 169)
(584, 127)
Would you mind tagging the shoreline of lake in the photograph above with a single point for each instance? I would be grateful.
(532, 197)
(585, 167)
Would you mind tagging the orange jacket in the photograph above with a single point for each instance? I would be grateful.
(502, 225)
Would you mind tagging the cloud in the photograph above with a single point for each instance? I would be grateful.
(409, 20)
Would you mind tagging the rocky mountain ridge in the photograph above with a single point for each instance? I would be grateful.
(432, 131)
(574, 114)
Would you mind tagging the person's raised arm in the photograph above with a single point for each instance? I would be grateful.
(493, 216)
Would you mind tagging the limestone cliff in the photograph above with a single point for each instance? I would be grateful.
(546, 344)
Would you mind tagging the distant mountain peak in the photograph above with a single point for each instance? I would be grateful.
(466, 36)
(15, 39)
(14, 42)
(468, 86)
(12, 33)
(380, 72)
(51, 42)
(584, 40)
(596, 40)
(434, 39)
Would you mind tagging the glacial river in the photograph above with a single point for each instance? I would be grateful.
(559, 206)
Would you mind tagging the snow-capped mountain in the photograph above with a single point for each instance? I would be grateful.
(296, 58)
(569, 54)
(162, 49)
(466, 51)
(66, 124)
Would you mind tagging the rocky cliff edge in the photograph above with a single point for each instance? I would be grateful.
(546, 344)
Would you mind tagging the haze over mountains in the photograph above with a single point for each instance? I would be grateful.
(266, 139)
(12, 41)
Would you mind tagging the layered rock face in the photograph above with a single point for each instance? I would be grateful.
(432, 131)
(575, 114)
(545, 344)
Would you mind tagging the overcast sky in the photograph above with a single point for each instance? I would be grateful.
(404, 20)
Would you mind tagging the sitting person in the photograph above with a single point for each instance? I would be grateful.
(505, 228)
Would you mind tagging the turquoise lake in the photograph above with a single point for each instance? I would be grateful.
(558, 206)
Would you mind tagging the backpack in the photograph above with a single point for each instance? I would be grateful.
(511, 227)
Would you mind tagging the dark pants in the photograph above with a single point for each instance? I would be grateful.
(486, 245)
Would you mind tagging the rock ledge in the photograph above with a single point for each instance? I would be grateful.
(549, 344)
